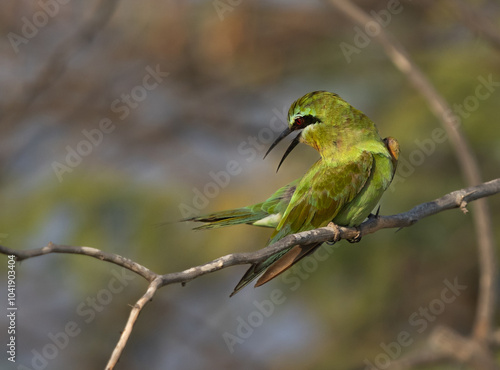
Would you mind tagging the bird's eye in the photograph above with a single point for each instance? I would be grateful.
(304, 121)
(300, 121)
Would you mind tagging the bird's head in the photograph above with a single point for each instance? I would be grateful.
(308, 115)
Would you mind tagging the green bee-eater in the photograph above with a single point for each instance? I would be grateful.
(343, 186)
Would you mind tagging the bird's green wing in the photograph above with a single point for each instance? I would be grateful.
(275, 206)
(323, 191)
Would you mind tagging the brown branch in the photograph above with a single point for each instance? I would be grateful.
(87, 251)
(445, 344)
(134, 314)
(467, 350)
(456, 199)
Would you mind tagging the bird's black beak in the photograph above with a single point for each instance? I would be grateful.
(284, 134)
(292, 145)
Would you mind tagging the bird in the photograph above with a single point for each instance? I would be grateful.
(355, 168)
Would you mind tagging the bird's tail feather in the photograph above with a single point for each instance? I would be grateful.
(227, 218)
(274, 265)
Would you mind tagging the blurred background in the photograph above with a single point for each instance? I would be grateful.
(118, 118)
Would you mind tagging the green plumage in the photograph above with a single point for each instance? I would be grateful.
(260, 214)
(343, 186)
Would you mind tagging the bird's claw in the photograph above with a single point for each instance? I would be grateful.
(336, 238)
(357, 238)
(372, 216)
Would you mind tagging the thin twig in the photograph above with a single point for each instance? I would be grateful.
(87, 251)
(452, 200)
(134, 314)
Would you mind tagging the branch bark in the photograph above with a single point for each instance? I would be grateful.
(86, 251)
(456, 199)
(134, 314)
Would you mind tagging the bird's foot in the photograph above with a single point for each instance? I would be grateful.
(357, 238)
(336, 230)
